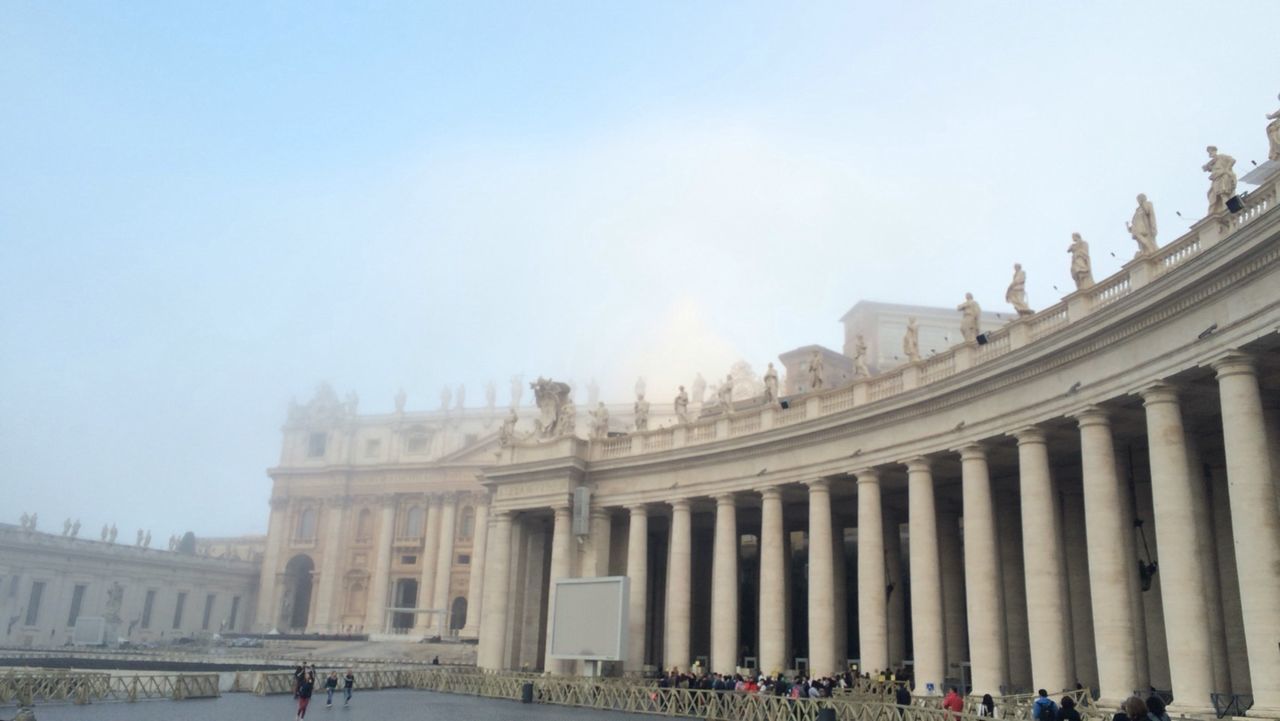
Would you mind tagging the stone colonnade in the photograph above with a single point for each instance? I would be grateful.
(1047, 599)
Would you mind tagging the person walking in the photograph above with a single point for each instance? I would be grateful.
(953, 703)
(988, 706)
(348, 682)
(1044, 709)
(1068, 712)
(304, 694)
(330, 685)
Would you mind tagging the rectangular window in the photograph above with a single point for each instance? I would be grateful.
(147, 605)
(464, 559)
(235, 611)
(408, 560)
(33, 603)
(77, 599)
(315, 445)
(177, 609)
(208, 612)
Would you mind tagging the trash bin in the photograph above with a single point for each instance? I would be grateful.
(526, 695)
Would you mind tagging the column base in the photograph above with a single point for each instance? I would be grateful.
(1191, 709)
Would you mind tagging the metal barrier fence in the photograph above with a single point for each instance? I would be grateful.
(27, 687)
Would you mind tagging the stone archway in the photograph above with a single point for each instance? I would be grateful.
(295, 608)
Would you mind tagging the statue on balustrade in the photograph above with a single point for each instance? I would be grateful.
(593, 393)
(105, 531)
(1143, 226)
(35, 519)
(1081, 266)
(75, 528)
(815, 371)
(860, 369)
(699, 389)
(771, 385)
(66, 527)
(24, 520)
(568, 424)
(1273, 135)
(139, 541)
(401, 397)
(970, 311)
(600, 422)
(551, 398)
(1222, 179)
(111, 537)
(490, 396)
(682, 406)
(517, 390)
(446, 397)
(146, 540)
(642, 413)
(640, 386)
(461, 397)
(1016, 295)
(725, 393)
(911, 341)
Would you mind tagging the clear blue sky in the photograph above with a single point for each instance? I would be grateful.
(206, 208)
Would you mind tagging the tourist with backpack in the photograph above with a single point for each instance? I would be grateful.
(1044, 709)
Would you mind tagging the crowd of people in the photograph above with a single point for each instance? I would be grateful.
(304, 686)
(775, 685)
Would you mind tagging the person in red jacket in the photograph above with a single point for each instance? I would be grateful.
(953, 703)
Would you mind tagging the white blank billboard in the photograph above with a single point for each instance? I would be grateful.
(590, 618)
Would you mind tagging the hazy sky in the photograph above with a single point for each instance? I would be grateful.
(207, 208)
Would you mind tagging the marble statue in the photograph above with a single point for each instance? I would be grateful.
(25, 520)
(551, 398)
(446, 398)
(173, 542)
(815, 371)
(1273, 135)
(724, 394)
(105, 531)
(490, 395)
(507, 433)
(860, 369)
(146, 540)
(1081, 268)
(640, 386)
(75, 528)
(111, 537)
(699, 389)
(771, 385)
(517, 390)
(139, 541)
(568, 424)
(642, 413)
(115, 599)
(970, 312)
(1143, 226)
(66, 527)
(401, 397)
(593, 393)
(911, 341)
(1222, 179)
(1016, 295)
(682, 406)
(35, 519)
(353, 403)
(600, 422)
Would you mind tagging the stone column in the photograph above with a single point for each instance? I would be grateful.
(1255, 520)
(1048, 605)
(987, 647)
(927, 626)
(822, 626)
(475, 580)
(773, 608)
(724, 587)
(895, 599)
(376, 613)
(951, 556)
(1085, 657)
(638, 572)
(840, 599)
(444, 562)
(679, 586)
(1229, 584)
(601, 537)
(335, 517)
(424, 623)
(1113, 616)
(1177, 510)
(497, 584)
(873, 618)
(268, 586)
(1206, 542)
(561, 567)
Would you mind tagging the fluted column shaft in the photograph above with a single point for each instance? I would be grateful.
(822, 621)
(724, 588)
(1255, 520)
(444, 563)
(773, 589)
(497, 586)
(985, 598)
(1048, 605)
(679, 586)
(873, 619)
(1113, 616)
(475, 582)
(423, 622)
(376, 612)
(1176, 502)
(335, 516)
(561, 567)
(927, 626)
(638, 572)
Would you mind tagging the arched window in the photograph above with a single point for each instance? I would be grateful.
(356, 599)
(307, 525)
(364, 525)
(468, 524)
(413, 523)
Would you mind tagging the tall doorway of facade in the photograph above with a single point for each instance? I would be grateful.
(406, 597)
(458, 613)
(296, 606)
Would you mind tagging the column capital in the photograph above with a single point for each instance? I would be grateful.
(449, 498)
(770, 493)
(1029, 435)
(279, 503)
(822, 485)
(561, 507)
(973, 452)
(1158, 392)
(680, 504)
(638, 509)
(1235, 362)
(337, 501)
(388, 500)
(867, 475)
(1092, 416)
(500, 515)
(600, 512)
(919, 464)
(725, 499)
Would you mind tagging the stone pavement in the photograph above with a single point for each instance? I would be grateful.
(367, 706)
